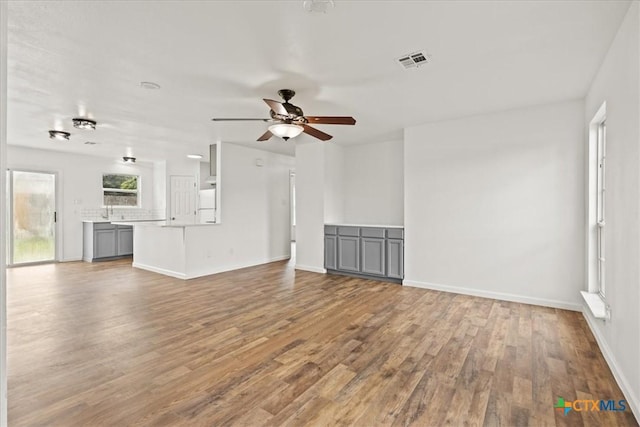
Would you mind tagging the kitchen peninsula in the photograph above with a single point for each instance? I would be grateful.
(169, 248)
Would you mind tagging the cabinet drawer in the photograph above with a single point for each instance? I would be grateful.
(372, 232)
(330, 229)
(104, 226)
(395, 233)
(349, 231)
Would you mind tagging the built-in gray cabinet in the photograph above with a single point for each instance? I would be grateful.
(104, 240)
(395, 258)
(348, 253)
(124, 240)
(373, 252)
(373, 256)
(331, 252)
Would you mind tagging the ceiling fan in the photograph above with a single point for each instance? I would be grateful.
(289, 120)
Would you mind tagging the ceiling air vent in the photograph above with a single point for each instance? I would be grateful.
(414, 60)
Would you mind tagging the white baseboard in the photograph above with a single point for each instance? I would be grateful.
(208, 271)
(175, 274)
(495, 295)
(71, 259)
(311, 269)
(621, 379)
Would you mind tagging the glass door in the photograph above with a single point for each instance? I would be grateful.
(32, 217)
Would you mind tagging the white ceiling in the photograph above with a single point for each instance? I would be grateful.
(219, 58)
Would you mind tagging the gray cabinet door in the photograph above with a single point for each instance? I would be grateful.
(104, 243)
(125, 240)
(395, 258)
(331, 252)
(349, 253)
(373, 256)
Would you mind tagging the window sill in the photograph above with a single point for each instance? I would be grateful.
(597, 305)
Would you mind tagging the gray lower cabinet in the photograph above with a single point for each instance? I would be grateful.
(349, 253)
(373, 252)
(106, 241)
(124, 240)
(331, 252)
(373, 256)
(395, 258)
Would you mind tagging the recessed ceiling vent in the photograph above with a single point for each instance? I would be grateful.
(414, 60)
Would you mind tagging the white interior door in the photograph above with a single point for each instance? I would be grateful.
(183, 199)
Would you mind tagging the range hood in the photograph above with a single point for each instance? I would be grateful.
(213, 165)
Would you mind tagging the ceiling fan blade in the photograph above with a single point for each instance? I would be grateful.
(240, 120)
(277, 107)
(316, 133)
(265, 136)
(331, 120)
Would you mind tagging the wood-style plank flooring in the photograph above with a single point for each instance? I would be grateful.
(107, 344)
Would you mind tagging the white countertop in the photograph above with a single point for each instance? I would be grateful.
(161, 223)
(120, 221)
(367, 225)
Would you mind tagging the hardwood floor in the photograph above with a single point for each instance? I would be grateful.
(107, 344)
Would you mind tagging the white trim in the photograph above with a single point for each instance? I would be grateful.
(623, 383)
(495, 295)
(596, 304)
(171, 273)
(311, 269)
(207, 272)
(72, 259)
(3, 166)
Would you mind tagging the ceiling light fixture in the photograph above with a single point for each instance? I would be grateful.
(194, 156)
(286, 130)
(59, 134)
(129, 160)
(82, 123)
(149, 85)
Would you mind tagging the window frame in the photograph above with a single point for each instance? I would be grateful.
(601, 155)
(137, 191)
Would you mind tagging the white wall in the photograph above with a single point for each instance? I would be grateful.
(160, 186)
(79, 187)
(255, 210)
(334, 182)
(310, 190)
(618, 83)
(494, 205)
(373, 183)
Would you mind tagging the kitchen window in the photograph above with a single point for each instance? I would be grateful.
(120, 190)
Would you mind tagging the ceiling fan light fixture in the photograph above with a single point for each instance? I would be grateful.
(286, 130)
(82, 123)
(59, 134)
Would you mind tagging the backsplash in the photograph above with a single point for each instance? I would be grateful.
(121, 214)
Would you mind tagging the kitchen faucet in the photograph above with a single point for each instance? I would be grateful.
(106, 211)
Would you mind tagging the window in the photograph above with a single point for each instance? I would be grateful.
(120, 190)
(601, 146)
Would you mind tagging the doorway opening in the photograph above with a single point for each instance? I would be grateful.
(31, 217)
